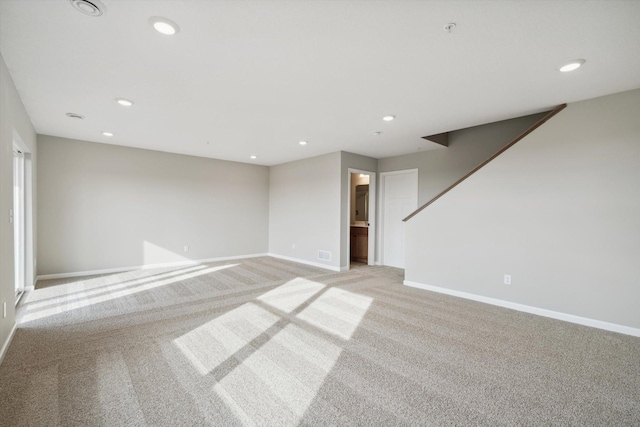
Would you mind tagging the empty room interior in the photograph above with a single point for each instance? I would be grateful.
(284, 213)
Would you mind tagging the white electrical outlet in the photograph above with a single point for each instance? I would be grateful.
(4, 309)
(293, 246)
(507, 279)
(186, 248)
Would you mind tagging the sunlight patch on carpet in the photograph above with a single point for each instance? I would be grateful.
(128, 290)
(88, 291)
(337, 312)
(211, 344)
(277, 351)
(292, 294)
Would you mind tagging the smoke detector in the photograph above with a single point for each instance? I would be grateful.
(91, 8)
(450, 27)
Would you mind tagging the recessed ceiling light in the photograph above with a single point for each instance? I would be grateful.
(164, 26)
(253, 157)
(90, 8)
(124, 102)
(303, 142)
(388, 118)
(572, 65)
(75, 116)
(107, 133)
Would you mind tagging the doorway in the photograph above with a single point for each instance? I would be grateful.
(362, 217)
(399, 198)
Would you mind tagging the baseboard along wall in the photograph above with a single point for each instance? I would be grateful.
(613, 327)
(303, 261)
(143, 267)
(6, 344)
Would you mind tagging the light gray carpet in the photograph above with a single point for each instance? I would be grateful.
(269, 342)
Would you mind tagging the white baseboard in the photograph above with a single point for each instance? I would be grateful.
(5, 346)
(302, 261)
(143, 267)
(627, 330)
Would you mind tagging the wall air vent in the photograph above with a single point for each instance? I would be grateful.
(324, 255)
(90, 8)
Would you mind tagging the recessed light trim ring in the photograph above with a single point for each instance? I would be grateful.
(164, 25)
(124, 102)
(572, 65)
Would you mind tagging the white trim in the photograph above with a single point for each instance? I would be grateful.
(19, 219)
(6, 344)
(143, 267)
(29, 223)
(302, 261)
(627, 330)
(19, 296)
(29, 268)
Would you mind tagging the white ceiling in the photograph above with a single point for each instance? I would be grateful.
(257, 77)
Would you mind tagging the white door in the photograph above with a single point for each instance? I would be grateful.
(399, 199)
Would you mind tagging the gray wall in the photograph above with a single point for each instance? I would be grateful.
(558, 211)
(441, 167)
(105, 206)
(13, 121)
(304, 209)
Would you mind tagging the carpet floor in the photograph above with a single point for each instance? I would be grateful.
(269, 342)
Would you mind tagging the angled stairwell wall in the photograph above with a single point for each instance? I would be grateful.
(559, 212)
(441, 167)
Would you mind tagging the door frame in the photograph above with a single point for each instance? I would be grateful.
(29, 262)
(18, 218)
(383, 176)
(371, 249)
